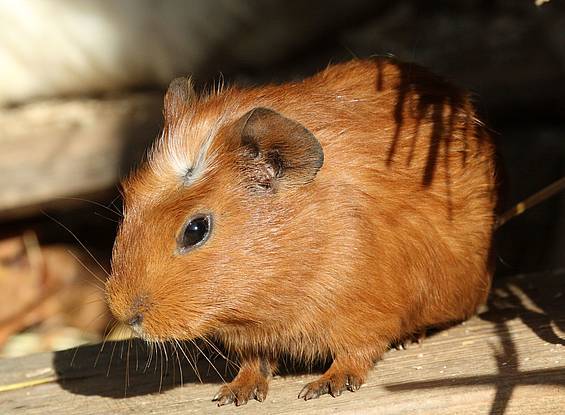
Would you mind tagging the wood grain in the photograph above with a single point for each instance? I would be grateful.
(508, 360)
(60, 148)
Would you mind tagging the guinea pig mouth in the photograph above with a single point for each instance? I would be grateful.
(135, 324)
(147, 318)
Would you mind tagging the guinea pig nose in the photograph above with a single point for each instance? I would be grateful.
(136, 320)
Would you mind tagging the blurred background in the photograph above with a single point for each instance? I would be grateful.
(81, 88)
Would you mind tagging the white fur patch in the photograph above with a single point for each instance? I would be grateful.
(183, 155)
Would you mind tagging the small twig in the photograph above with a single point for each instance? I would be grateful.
(531, 201)
(27, 384)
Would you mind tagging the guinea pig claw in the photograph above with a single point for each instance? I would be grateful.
(239, 394)
(241, 401)
(334, 385)
(260, 395)
(335, 393)
(310, 392)
(353, 384)
(223, 398)
(314, 390)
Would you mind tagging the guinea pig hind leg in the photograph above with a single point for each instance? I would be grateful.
(346, 372)
(251, 382)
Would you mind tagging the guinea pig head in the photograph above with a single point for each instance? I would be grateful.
(205, 214)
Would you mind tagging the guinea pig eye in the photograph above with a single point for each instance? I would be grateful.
(195, 233)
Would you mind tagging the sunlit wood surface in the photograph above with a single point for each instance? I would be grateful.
(508, 360)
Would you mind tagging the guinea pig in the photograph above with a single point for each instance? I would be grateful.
(319, 219)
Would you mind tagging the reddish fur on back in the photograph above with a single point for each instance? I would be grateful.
(391, 236)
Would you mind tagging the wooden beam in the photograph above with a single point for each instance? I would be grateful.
(510, 359)
(60, 148)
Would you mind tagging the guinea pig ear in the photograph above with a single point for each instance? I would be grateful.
(277, 151)
(179, 94)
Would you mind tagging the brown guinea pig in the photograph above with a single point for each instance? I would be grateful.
(317, 219)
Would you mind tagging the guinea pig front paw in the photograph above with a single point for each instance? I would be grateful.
(240, 393)
(251, 382)
(334, 384)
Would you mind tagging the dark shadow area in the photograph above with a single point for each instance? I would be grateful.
(539, 306)
(126, 369)
(139, 132)
(434, 124)
(310, 28)
(534, 157)
(429, 100)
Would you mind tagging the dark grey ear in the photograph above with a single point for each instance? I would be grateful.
(178, 96)
(277, 151)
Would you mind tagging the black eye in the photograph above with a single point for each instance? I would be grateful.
(195, 233)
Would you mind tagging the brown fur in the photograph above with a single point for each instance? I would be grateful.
(392, 235)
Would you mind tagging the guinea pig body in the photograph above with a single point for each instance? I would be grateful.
(319, 219)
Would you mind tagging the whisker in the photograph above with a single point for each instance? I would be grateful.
(165, 352)
(100, 280)
(75, 355)
(115, 212)
(127, 369)
(111, 357)
(113, 201)
(77, 239)
(121, 348)
(211, 364)
(136, 356)
(161, 377)
(193, 366)
(95, 300)
(149, 357)
(97, 287)
(106, 217)
(150, 347)
(80, 345)
(174, 376)
(179, 362)
(217, 350)
(115, 323)
(156, 356)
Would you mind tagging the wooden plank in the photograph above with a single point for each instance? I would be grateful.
(509, 359)
(60, 148)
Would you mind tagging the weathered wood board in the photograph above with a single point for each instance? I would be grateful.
(509, 359)
(59, 148)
